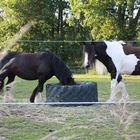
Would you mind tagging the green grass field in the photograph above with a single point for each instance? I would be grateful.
(95, 122)
(23, 89)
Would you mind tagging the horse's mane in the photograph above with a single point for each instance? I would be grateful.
(61, 70)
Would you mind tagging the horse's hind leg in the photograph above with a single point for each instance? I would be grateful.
(8, 95)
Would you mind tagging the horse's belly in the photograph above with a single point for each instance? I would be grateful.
(137, 69)
(27, 76)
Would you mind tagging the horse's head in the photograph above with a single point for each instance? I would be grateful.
(88, 54)
(61, 71)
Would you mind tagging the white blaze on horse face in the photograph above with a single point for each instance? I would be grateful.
(125, 64)
(85, 64)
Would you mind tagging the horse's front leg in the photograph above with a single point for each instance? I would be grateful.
(113, 89)
(37, 93)
(32, 98)
(113, 86)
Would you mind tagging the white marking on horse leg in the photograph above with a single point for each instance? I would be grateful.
(113, 90)
(8, 97)
(123, 91)
(38, 98)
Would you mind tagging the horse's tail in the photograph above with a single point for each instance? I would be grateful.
(6, 57)
(100, 68)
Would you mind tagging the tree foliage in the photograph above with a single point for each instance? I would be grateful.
(108, 19)
(49, 18)
(68, 20)
(49, 23)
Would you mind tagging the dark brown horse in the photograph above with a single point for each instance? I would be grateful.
(35, 66)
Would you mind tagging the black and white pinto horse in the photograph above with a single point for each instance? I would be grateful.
(118, 58)
(39, 66)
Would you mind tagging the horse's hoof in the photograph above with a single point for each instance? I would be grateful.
(123, 100)
(31, 100)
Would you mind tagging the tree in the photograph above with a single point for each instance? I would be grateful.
(108, 19)
(47, 16)
(49, 23)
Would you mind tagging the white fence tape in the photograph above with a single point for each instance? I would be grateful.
(72, 103)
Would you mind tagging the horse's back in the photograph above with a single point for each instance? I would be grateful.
(132, 50)
(125, 58)
(31, 58)
(29, 65)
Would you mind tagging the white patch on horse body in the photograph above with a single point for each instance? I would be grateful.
(38, 98)
(85, 64)
(125, 64)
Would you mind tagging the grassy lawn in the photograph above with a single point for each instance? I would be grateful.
(23, 89)
(95, 122)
